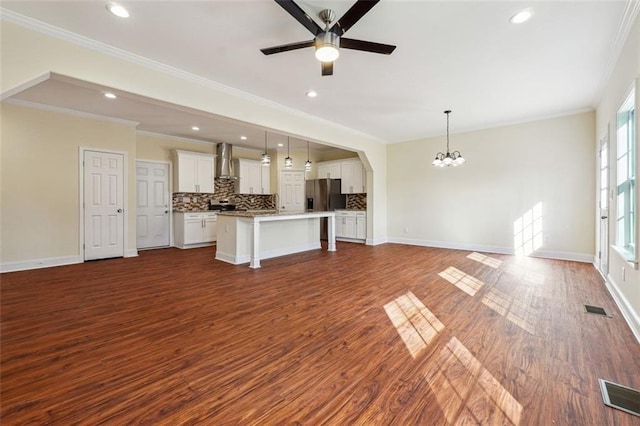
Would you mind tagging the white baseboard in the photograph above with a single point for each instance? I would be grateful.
(24, 265)
(375, 242)
(546, 254)
(631, 317)
(131, 253)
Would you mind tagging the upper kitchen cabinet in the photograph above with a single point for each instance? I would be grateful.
(329, 169)
(353, 177)
(194, 172)
(253, 177)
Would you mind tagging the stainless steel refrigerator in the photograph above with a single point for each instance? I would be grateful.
(324, 195)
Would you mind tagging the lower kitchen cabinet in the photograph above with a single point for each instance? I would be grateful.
(194, 229)
(351, 226)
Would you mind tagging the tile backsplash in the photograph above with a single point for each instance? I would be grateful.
(356, 201)
(224, 190)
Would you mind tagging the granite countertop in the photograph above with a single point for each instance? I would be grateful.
(350, 210)
(195, 211)
(256, 213)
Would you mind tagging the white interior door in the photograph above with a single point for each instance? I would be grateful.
(292, 189)
(103, 205)
(603, 249)
(152, 204)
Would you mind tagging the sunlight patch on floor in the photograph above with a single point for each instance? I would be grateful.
(464, 282)
(416, 324)
(514, 310)
(467, 393)
(485, 260)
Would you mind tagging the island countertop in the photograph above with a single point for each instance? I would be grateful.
(249, 236)
(274, 215)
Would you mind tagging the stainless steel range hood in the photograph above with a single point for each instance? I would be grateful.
(224, 165)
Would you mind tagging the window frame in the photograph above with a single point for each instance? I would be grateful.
(626, 198)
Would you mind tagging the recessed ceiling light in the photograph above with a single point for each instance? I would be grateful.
(280, 145)
(117, 10)
(110, 95)
(244, 138)
(522, 16)
(196, 128)
(312, 93)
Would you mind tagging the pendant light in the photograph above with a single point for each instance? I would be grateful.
(449, 159)
(288, 162)
(307, 165)
(266, 159)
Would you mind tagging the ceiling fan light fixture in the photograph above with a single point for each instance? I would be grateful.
(327, 44)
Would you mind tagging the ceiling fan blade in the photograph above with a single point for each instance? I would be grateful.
(287, 47)
(327, 68)
(352, 16)
(367, 46)
(300, 16)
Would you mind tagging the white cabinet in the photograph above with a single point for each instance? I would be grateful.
(194, 229)
(253, 177)
(193, 172)
(361, 226)
(351, 226)
(353, 177)
(329, 169)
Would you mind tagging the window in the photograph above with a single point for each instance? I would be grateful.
(626, 178)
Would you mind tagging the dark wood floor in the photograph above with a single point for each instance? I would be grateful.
(367, 335)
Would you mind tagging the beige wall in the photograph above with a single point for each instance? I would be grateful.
(627, 69)
(39, 202)
(509, 170)
(159, 148)
(28, 55)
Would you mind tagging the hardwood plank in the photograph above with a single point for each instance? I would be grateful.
(175, 337)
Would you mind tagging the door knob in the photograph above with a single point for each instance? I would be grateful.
(119, 210)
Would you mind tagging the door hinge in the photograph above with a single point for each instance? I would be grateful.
(599, 255)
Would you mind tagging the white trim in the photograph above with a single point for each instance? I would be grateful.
(631, 317)
(177, 138)
(504, 124)
(626, 23)
(24, 86)
(73, 112)
(126, 252)
(545, 254)
(376, 241)
(47, 262)
(50, 30)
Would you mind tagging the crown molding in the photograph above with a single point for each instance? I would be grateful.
(631, 11)
(53, 31)
(177, 138)
(73, 112)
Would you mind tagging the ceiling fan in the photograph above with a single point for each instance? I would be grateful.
(327, 41)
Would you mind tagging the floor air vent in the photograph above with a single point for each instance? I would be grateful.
(596, 310)
(620, 397)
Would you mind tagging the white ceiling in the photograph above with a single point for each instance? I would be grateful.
(459, 55)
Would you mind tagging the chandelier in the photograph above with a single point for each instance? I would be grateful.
(449, 159)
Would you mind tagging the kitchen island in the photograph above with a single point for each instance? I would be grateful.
(254, 235)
